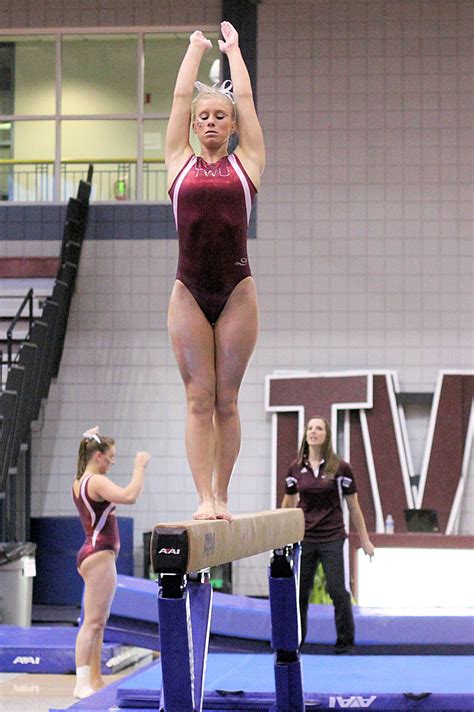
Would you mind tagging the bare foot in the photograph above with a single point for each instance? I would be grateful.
(97, 684)
(205, 510)
(222, 511)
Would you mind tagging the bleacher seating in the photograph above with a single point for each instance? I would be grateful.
(12, 294)
(36, 349)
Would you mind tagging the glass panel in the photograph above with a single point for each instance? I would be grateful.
(99, 74)
(154, 171)
(111, 147)
(6, 139)
(27, 75)
(27, 175)
(163, 55)
(7, 73)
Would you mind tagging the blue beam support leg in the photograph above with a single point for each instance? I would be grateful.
(200, 597)
(286, 629)
(184, 611)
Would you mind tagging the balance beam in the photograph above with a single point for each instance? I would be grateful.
(188, 546)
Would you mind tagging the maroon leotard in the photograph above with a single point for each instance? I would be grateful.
(99, 523)
(211, 205)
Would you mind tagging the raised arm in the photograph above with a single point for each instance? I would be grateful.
(101, 487)
(177, 146)
(251, 148)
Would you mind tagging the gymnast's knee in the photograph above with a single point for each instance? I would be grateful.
(201, 402)
(94, 626)
(226, 405)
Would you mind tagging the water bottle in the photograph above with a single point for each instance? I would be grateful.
(389, 524)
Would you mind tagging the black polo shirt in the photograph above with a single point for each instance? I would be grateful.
(320, 499)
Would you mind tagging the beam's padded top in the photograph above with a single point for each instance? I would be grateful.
(182, 547)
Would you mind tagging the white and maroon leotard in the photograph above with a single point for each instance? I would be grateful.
(211, 205)
(99, 523)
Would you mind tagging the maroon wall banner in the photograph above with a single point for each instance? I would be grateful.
(448, 447)
(375, 439)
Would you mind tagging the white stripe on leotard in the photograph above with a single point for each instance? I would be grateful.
(85, 500)
(101, 522)
(180, 179)
(245, 185)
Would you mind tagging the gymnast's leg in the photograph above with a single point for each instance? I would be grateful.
(100, 579)
(97, 681)
(236, 333)
(192, 339)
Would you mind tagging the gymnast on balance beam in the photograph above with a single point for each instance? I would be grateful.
(213, 313)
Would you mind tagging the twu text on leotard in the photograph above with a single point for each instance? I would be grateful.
(211, 205)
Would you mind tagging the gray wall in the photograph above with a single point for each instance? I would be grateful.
(363, 256)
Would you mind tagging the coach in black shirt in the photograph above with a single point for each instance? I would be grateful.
(316, 483)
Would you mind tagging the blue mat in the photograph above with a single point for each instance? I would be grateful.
(245, 617)
(325, 674)
(50, 649)
(376, 682)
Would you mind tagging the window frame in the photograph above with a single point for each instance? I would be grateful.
(139, 116)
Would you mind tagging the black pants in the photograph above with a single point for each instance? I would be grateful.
(332, 560)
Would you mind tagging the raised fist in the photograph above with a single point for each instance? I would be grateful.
(142, 458)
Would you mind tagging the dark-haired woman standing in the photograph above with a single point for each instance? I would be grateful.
(95, 497)
(316, 482)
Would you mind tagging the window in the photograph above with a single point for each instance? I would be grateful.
(69, 99)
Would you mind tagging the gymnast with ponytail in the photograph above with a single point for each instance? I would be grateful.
(95, 497)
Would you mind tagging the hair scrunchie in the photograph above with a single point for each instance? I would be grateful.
(92, 434)
(225, 88)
